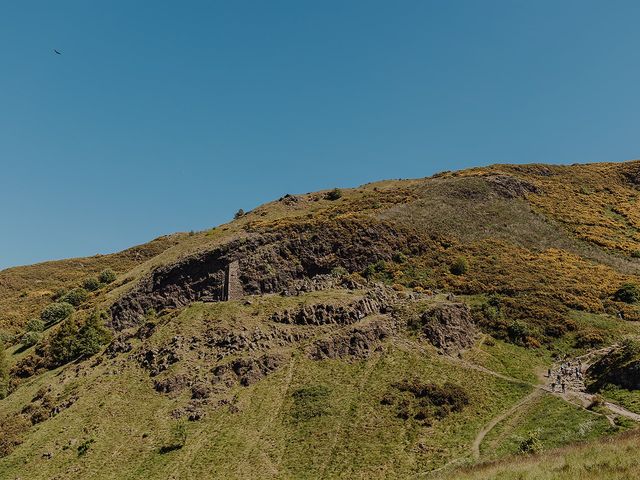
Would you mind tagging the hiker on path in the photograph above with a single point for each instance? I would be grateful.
(548, 372)
(563, 387)
(553, 386)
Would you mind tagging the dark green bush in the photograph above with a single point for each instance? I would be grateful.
(334, 194)
(377, 271)
(93, 334)
(83, 448)
(72, 341)
(427, 402)
(628, 293)
(459, 266)
(399, 257)
(91, 284)
(239, 214)
(518, 332)
(34, 325)
(107, 276)
(75, 297)
(531, 444)
(56, 312)
(30, 338)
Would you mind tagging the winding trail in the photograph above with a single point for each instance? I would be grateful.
(475, 446)
(575, 396)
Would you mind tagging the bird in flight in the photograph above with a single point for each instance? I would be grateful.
(57, 51)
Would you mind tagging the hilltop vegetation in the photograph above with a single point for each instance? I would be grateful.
(384, 331)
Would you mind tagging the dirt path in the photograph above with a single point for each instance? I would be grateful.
(574, 394)
(575, 390)
(475, 446)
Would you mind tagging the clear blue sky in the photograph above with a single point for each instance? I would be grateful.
(169, 116)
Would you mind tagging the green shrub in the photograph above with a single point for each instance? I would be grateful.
(91, 284)
(531, 444)
(30, 338)
(334, 194)
(628, 293)
(377, 271)
(12, 429)
(93, 334)
(339, 271)
(75, 297)
(107, 276)
(63, 346)
(34, 325)
(83, 448)
(635, 254)
(459, 266)
(518, 332)
(589, 339)
(6, 337)
(56, 312)
(72, 341)
(399, 257)
(630, 348)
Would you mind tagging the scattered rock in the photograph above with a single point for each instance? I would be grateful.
(172, 384)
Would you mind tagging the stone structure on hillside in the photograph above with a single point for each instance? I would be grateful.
(232, 286)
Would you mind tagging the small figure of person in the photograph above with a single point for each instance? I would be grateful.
(553, 386)
(548, 372)
(563, 387)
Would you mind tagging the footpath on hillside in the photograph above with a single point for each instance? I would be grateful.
(567, 371)
(565, 379)
(574, 393)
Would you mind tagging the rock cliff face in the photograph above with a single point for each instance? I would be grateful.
(620, 367)
(266, 263)
(448, 326)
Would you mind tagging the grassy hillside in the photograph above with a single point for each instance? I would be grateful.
(611, 458)
(392, 330)
(24, 291)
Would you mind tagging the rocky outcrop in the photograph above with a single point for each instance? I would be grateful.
(375, 301)
(620, 367)
(448, 326)
(358, 342)
(268, 262)
(247, 370)
(507, 186)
